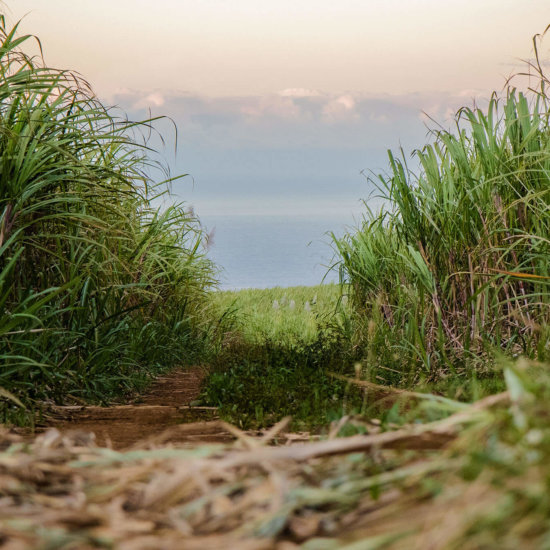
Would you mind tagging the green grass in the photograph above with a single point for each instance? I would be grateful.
(98, 288)
(286, 315)
(275, 354)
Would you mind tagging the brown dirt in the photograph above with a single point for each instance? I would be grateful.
(163, 415)
(178, 388)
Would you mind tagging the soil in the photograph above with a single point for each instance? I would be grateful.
(163, 415)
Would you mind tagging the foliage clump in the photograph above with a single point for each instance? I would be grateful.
(455, 265)
(97, 285)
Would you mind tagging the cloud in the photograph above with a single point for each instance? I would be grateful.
(340, 108)
(295, 143)
(299, 92)
(275, 106)
(156, 99)
(296, 108)
(139, 100)
(300, 119)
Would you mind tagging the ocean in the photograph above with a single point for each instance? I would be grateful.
(262, 251)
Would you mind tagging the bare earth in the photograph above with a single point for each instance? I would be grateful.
(163, 415)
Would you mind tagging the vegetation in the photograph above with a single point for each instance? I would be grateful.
(98, 287)
(474, 479)
(455, 268)
(285, 315)
(276, 356)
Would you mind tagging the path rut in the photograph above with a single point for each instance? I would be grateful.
(162, 415)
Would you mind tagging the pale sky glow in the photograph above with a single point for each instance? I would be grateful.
(249, 47)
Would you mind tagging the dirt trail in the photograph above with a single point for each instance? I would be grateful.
(162, 415)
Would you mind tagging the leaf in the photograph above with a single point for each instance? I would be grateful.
(8, 395)
(518, 274)
(515, 386)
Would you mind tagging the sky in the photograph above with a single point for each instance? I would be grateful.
(286, 105)
(254, 47)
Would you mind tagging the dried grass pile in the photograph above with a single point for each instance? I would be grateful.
(477, 478)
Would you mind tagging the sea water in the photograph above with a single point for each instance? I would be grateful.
(262, 251)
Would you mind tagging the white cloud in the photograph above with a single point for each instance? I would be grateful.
(271, 106)
(341, 108)
(299, 92)
(129, 98)
(154, 99)
(300, 118)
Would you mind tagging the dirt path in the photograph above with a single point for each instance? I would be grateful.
(162, 415)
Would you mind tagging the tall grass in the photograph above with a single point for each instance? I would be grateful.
(97, 285)
(456, 266)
